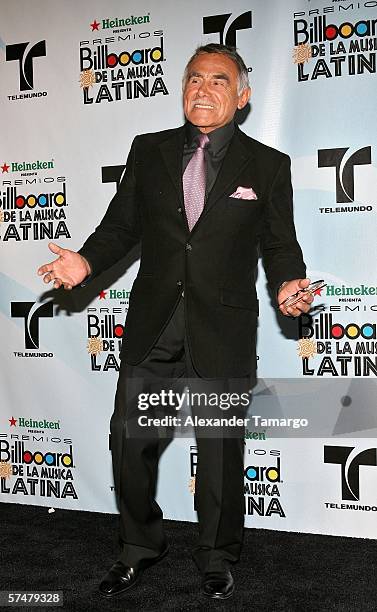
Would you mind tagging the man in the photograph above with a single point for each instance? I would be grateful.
(203, 200)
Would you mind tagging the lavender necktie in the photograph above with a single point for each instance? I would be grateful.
(194, 183)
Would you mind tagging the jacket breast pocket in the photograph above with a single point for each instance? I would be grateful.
(240, 204)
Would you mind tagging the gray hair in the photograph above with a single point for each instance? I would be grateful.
(231, 52)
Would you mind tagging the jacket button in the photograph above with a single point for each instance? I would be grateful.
(188, 247)
(179, 283)
(179, 210)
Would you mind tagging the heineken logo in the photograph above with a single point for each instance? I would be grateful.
(34, 423)
(115, 294)
(120, 22)
(359, 290)
(26, 166)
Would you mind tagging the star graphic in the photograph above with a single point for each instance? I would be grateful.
(95, 25)
(102, 295)
(12, 421)
(318, 291)
(5, 167)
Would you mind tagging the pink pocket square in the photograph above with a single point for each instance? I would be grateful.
(244, 193)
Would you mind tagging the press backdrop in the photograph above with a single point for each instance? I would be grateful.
(78, 81)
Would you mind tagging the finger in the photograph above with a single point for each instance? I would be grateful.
(48, 278)
(57, 283)
(305, 303)
(303, 283)
(293, 311)
(302, 308)
(305, 309)
(307, 298)
(67, 287)
(45, 268)
(287, 312)
(55, 248)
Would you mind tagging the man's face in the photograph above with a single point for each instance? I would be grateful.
(210, 96)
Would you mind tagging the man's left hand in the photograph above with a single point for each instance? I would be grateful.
(290, 288)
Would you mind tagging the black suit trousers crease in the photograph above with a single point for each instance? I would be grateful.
(219, 475)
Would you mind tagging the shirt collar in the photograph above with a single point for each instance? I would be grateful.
(219, 139)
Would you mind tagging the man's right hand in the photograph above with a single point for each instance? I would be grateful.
(68, 270)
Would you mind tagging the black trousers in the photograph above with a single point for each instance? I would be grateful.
(219, 482)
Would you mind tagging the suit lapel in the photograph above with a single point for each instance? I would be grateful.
(236, 158)
(172, 153)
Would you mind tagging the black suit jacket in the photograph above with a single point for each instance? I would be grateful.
(215, 264)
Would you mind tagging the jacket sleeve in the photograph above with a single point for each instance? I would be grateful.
(120, 228)
(281, 254)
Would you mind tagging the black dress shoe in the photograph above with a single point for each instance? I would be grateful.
(122, 577)
(119, 579)
(218, 585)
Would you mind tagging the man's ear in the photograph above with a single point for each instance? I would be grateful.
(244, 97)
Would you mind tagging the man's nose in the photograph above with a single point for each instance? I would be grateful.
(203, 88)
